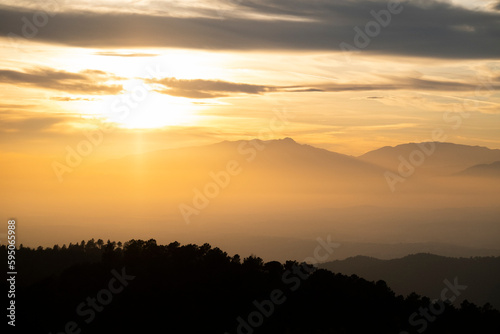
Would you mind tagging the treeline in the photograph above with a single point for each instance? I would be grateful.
(41, 262)
(141, 287)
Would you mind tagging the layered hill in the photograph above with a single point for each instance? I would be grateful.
(491, 170)
(425, 273)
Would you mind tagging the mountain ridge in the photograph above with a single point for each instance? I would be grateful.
(433, 158)
(383, 159)
(424, 273)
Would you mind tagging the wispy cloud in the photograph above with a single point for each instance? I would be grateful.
(404, 83)
(125, 54)
(69, 99)
(201, 89)
(29, 123)
(94, 82)
(205, 89)
(17, 106)
(89, 82)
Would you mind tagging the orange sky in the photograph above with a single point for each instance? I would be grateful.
(172, 88)
(116, 78)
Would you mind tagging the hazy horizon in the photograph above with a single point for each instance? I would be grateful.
(276, 192)
(243, 150)
(200, 119)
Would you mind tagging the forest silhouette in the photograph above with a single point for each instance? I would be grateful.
(141, 287)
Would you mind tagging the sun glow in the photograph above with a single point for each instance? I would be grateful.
(139, 105)
(132, 110)
(155, 111)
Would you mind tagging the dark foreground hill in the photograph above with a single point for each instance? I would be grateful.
(143, 287)
(424, 274)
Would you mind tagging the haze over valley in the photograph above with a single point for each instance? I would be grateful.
(280, 192)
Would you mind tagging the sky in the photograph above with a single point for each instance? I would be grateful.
(348, 76)
(85, 86)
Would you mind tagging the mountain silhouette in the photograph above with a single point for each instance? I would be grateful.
(445, 159)
(283, 157)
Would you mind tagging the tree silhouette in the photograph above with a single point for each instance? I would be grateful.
(201, 289)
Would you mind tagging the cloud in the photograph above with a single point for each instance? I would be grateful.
(93, 82)
(119, 54)
(427, 29)
(303, 90)
(30, 124)
(89, 82)
(203, 89)
(206, 89)
(397, 83)
(17, 106)
(69, 99)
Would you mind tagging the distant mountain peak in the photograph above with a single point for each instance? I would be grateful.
(288, 140)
